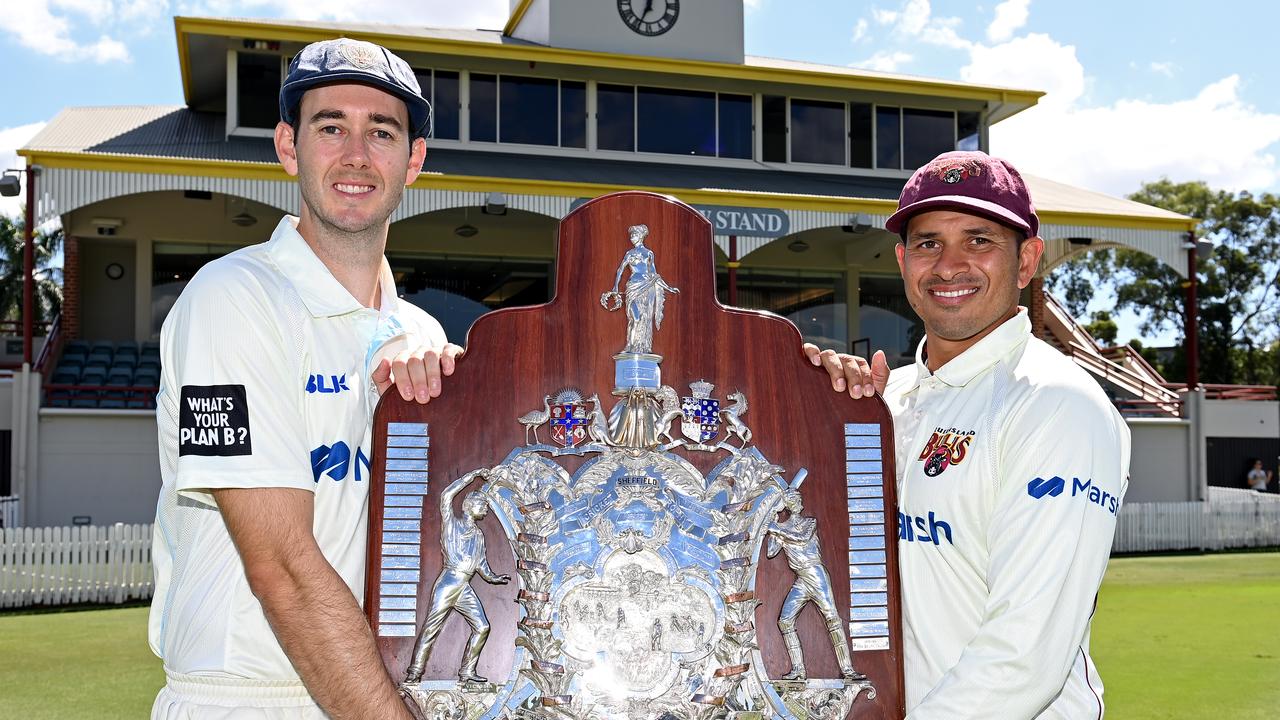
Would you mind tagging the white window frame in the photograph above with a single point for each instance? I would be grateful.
(233, 90)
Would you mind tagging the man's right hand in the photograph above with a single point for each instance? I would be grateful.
(862, 379)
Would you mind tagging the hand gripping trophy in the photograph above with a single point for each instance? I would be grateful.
(462, 544)
(798, 537)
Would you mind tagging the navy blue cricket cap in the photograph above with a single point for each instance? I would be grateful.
(357, 61)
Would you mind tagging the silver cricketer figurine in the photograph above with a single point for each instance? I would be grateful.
(645, 293)
(797, 536)
(462, 545)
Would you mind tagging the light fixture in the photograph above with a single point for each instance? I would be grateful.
(1082, 241)
(243, 218)
(798, 246)
(466, 230)
(10, 184)
(858, 224)
(495, 203)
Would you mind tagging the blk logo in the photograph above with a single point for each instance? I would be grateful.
(1040, 487)
(327, 383)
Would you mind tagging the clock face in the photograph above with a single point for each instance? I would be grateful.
(649, 17)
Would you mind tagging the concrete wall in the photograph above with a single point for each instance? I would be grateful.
(703, 30)
(1241, 419)
(99, 463)
(1158, 467)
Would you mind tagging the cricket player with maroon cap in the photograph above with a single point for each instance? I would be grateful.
(1012, 464)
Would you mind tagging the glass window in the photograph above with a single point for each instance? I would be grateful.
(814, 301)
(676, 122)
(484, 108)
(445, 105)
(926, 134)
(172, 266)
(735, 126)
(530, 107)
(257, 90)
(456, 290)
(817, 132)
(774, 118)
(615, 117)
(968, 131)
(573, 114)
(888, 138)
(885, 316)
(860, 135)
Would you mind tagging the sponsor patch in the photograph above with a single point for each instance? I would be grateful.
(214, 420)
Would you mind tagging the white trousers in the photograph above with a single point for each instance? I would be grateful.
(195, 697)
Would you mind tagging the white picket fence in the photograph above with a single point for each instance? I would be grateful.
(68, 565)
(10, 509)
(1154, 527)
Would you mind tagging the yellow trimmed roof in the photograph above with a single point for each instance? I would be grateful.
(493, 44)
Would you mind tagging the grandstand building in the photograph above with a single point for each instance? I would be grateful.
(797, 166)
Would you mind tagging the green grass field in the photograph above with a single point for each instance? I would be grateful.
(1191, 638)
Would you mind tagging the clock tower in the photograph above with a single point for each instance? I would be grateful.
(681, 29)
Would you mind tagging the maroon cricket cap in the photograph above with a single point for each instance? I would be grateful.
(970, 182)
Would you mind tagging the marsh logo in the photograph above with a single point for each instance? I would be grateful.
(1040, 487)
(1055, 486)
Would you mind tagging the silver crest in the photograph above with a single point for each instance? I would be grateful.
(362, 55)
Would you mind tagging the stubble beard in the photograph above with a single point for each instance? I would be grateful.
(346, 241)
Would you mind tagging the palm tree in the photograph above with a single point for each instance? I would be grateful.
(48, 278)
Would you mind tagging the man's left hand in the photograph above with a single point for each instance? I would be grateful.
(860, 378)
(417, 373)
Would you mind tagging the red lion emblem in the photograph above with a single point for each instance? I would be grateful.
(954, 171)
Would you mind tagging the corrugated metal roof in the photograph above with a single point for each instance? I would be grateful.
(169, 131)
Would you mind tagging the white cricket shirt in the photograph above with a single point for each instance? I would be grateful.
(1012, 465)
(265, 383)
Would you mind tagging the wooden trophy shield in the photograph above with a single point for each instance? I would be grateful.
(635, 502)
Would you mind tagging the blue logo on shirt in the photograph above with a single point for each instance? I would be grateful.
(923, 529)
(1040, 487)
(336, 462)
(327, 383)
(1055, 486)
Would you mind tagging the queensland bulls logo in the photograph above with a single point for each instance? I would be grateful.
(946, 447)
(952, 171)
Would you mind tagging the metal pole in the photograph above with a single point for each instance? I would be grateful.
(1192, 321)
(733, 270)
(28, 262)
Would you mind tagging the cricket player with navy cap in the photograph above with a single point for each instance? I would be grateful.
(273, 360)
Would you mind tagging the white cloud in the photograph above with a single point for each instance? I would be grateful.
(1215, 136)
(35, 25)
(915, 22)
(489, 14)
(885, 61)
(752, 5)
(10, 140)
(1035, 61)
(1011, 15)
(1163, 68)
(860, 30)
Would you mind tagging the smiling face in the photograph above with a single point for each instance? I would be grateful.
(352, 155)
(962, 275)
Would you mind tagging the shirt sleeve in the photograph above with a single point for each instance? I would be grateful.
(230, 362)
(1062, 470)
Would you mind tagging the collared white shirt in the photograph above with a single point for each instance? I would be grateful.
(1012, 465)
(265, 383)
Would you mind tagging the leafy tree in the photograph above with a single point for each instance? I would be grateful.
(1239, 291)
(1103, 328)
(48, 278)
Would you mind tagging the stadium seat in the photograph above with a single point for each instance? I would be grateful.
(94, 375)
(66, 376)
(152, 363)
(84, 400)
(147, 377)
(122, 376)
(102, 346)
(73, 358)
(77, 346)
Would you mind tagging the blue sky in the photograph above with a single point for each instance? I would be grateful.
(1136, 89)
